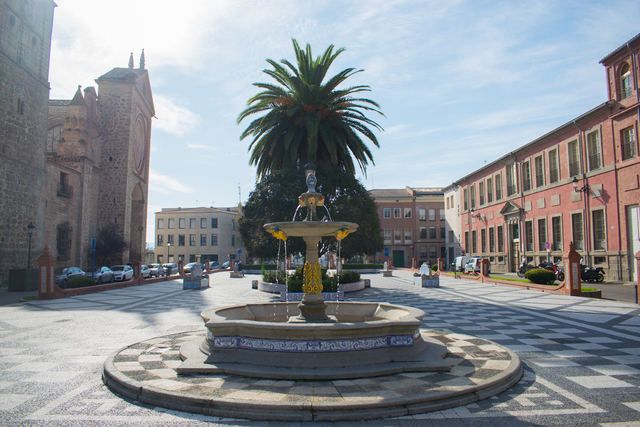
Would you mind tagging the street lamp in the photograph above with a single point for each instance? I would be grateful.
(168, 248)
(30, 228)
(574, 181)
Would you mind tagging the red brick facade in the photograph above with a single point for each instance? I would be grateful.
(580, 183)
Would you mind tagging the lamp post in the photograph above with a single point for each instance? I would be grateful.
(30, 228)
(168, 249)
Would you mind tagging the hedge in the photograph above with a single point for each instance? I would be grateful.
(541, 276)
(79, 282)
(361, 266)
(295, 280)
(260, 267)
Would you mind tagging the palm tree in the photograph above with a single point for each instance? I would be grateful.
(307, 118)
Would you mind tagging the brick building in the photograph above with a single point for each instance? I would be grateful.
(578, 183)
(412, 221)
(25, 43)
(198, 235)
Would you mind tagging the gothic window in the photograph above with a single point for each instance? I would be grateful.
(625, 81)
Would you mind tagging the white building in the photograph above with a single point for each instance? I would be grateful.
(452, 222)
(198, 235)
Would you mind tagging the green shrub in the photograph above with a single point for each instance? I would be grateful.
(541, 276)
(296, 279)
(434, 267)
(270, 277)
(361, 266)
(349, 277)
(79, 282)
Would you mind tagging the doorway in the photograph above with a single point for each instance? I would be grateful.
(633, 237)
(514, 246)
(398, 258)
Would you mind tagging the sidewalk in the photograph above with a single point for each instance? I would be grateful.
(8, 298)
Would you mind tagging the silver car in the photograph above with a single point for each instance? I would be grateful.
(68, 273)
(102, 275)
(122, 272)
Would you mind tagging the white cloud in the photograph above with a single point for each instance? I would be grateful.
(173, 118)
(166, 184)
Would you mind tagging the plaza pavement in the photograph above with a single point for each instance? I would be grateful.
(581, 356)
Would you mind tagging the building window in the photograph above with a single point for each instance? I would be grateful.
(498, 187)
(172, 223)
(397, 212)
(408, 212)
(443, 252)
(432, 253)
(481, 192)
(170, 240)
(554, 167)
(489, 190)
(422, 214)
(466, 242)
(526, 176)
(492, 240)
(387, 237)
(160, 224)
(542, 234)
(64, 189)
(577, 231)
(432, 214)
(451, 236)
(594, 150)
(539, 165)
(159, 240)
(397, 236)
(214, 240)
(556, 230)
(386, 212)
(599, 230)
(181, 240)
(574, 158)
(192, 239)
(441, 213)
(472, 196)
(474, 241)
(203, 240)
(423, 252)
(423, 232)
(192, 223)
(625, 81)
(511, 180)
(203, 222)
(408, 237)
(465, 199)
(448, 207)
(628, 143)
(443, 233)
(528, 235)
(500, 239)
(63, 241)
(432, 232)
(233, 240)
(233, 224)
(214, 222)
(182, 223)
(483, 240)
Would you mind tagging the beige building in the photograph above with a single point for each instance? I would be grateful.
(412, 221)
(198, 235)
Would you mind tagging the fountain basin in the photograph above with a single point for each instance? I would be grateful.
(265, 340)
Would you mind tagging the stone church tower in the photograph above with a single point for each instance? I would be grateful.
(25, 42)
(125, 109)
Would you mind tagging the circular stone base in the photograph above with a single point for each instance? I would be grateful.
(145, 372)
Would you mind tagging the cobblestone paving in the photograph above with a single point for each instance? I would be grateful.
(581, 356)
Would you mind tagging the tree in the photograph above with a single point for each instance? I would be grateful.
(308, 118)
(275, 199)
(110, 245)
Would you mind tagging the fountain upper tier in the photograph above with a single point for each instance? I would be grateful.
(310, 228)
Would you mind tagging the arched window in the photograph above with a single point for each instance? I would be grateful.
(625, 81)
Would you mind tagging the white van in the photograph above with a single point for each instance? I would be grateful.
(461, 261)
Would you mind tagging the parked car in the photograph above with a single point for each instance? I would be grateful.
(68, 273)
(170, 268)
(460, 262)
(145, 271)
(214, 265)
(226, 265)
(187, 268)
(102, 275)
(156, 270)
(122, 272)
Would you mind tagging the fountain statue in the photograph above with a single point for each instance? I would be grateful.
(289, 343)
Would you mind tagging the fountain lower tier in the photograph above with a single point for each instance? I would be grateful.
(368, 339)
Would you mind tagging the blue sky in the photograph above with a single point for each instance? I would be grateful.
(460, 82)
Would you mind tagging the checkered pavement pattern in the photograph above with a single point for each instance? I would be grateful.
(152, 363)
(581, 356)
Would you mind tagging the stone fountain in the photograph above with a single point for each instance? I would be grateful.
(285, 343)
